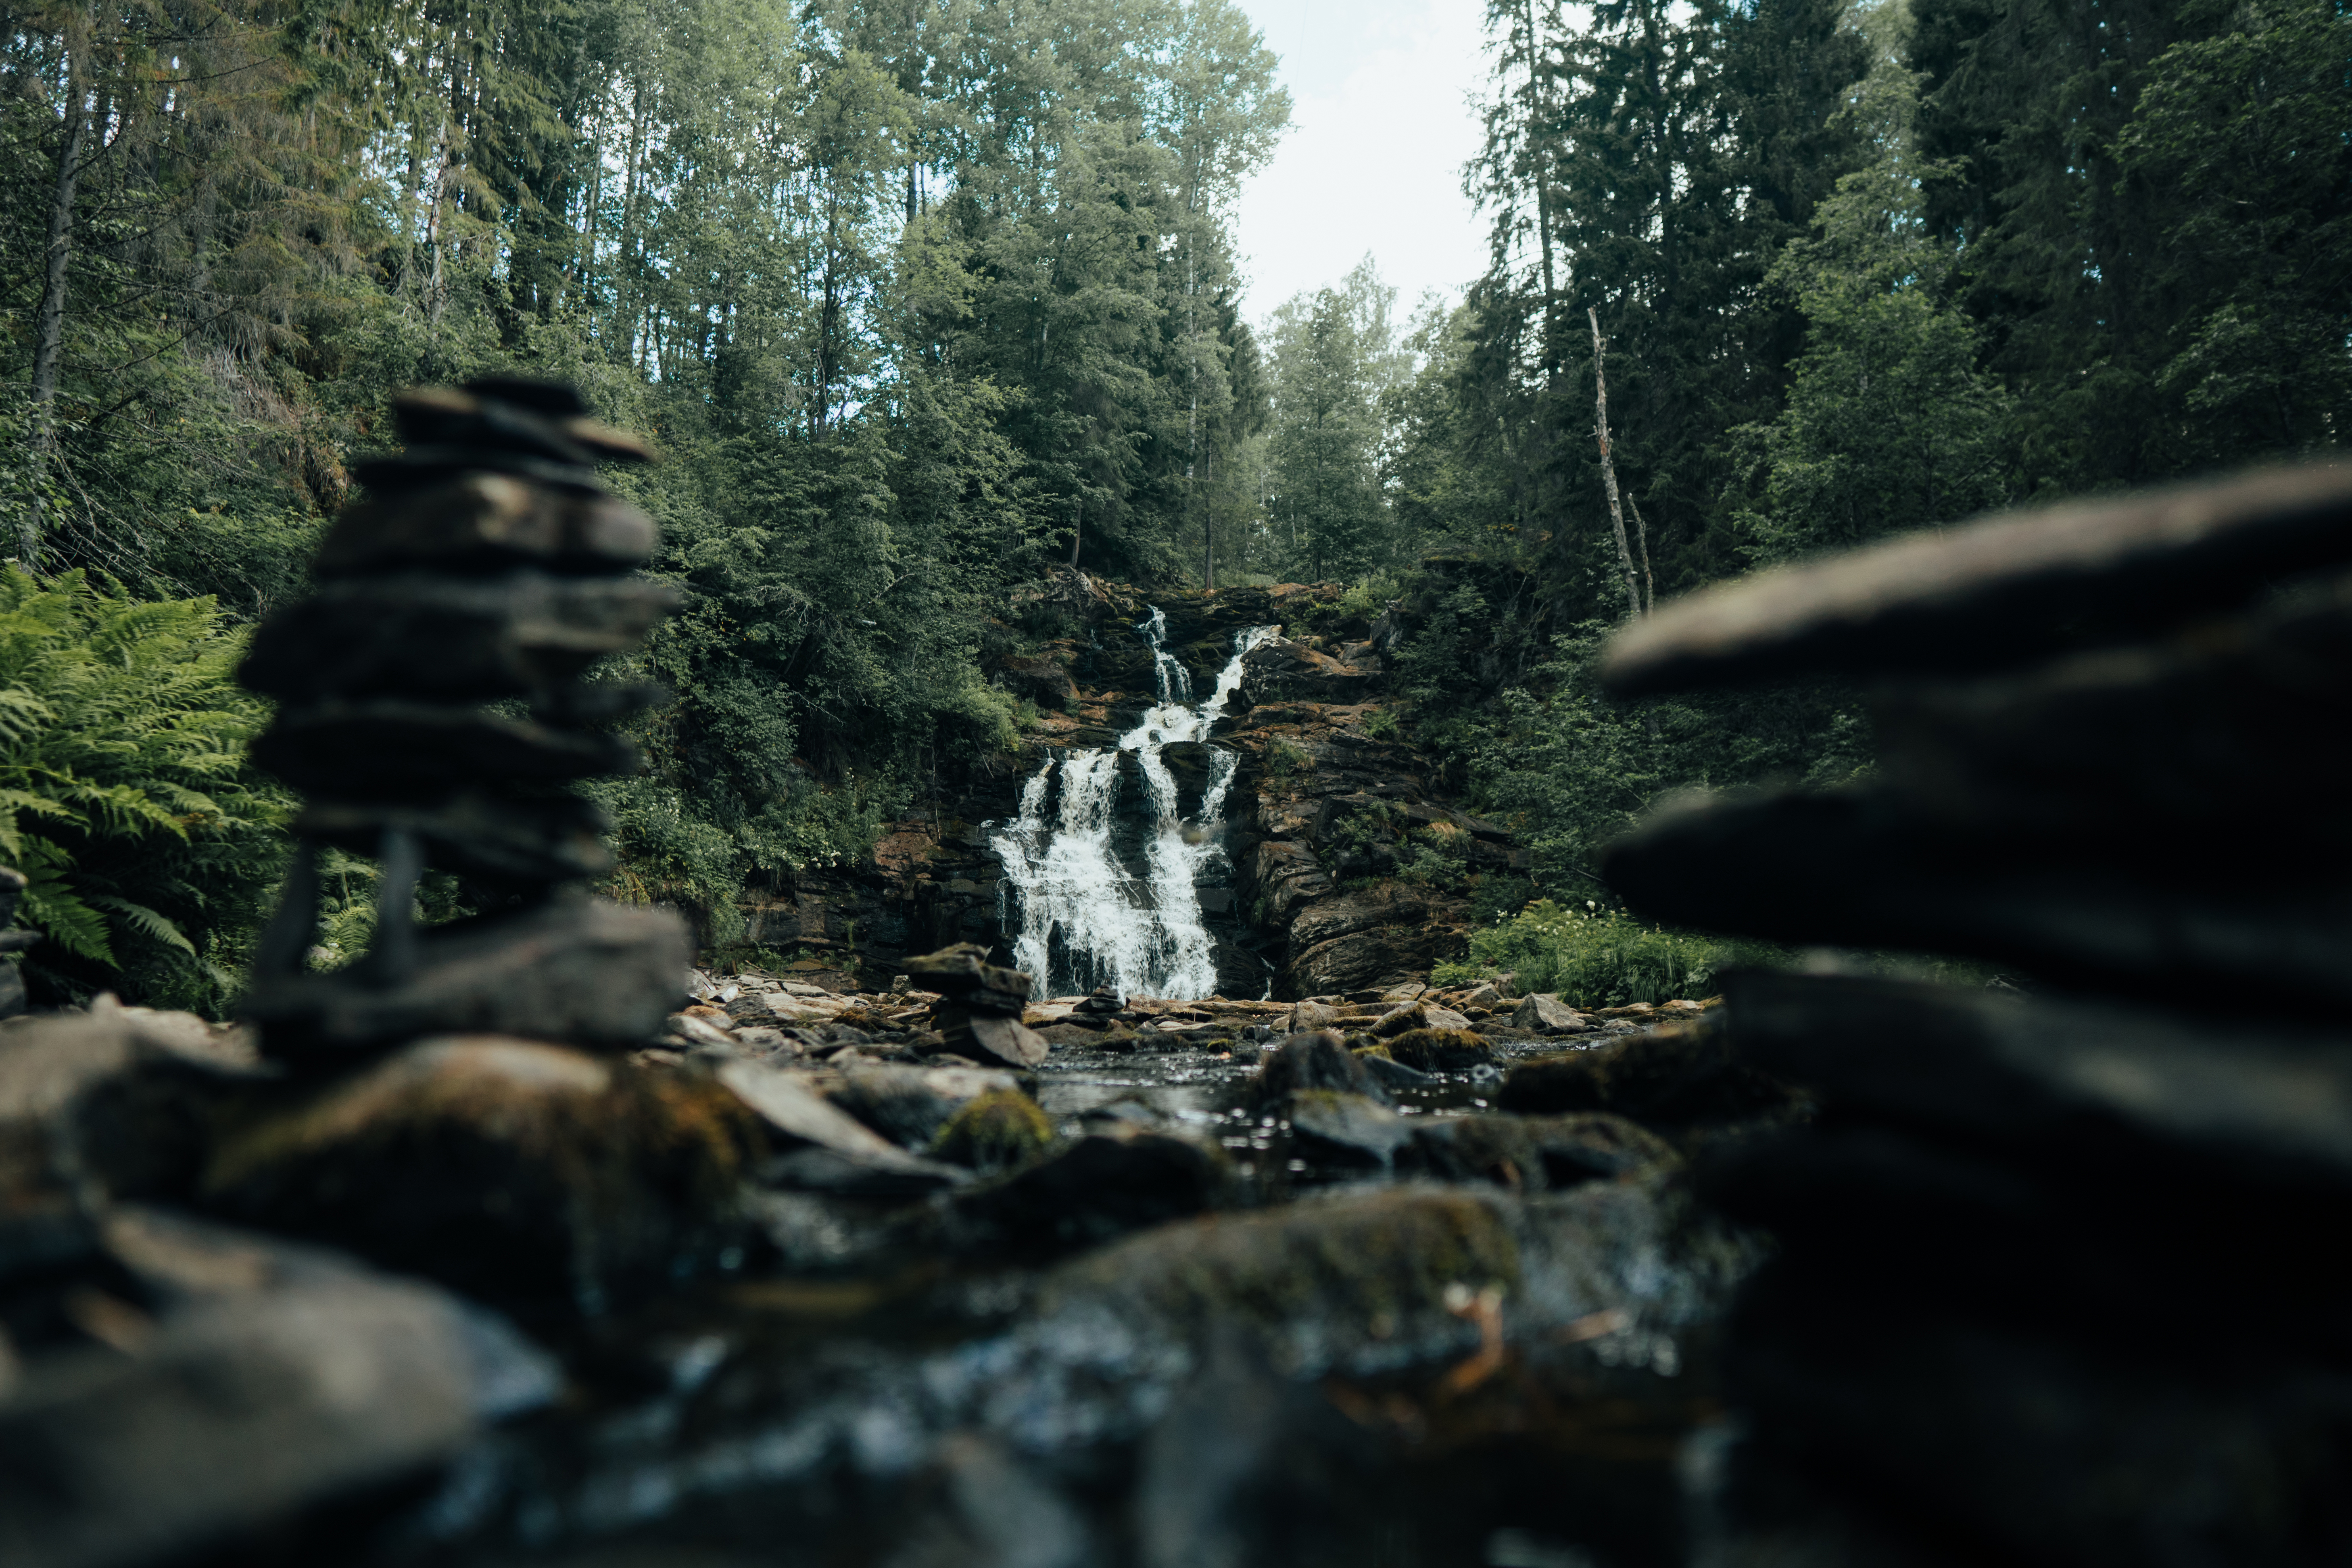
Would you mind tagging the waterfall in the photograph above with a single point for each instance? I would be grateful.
(1090, 914)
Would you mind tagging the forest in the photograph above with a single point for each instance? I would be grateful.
(920, 300)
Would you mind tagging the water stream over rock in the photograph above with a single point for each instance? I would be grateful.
(1093, 910)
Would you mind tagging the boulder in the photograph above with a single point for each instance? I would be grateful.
(1335, 1126)
(263, 1380)
(1041, 678)
(1312, 1061)
(995, 1131)
(821, 1147)
(1676, 1075)
(1108, 1183)
(520, 1172)
(1442, 1050)
(1532, 1153)
(1545, 1013)
(908, 1105)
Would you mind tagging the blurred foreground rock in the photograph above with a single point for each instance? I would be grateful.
(2057, 1276)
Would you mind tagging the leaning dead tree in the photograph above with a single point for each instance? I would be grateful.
(1633, 597)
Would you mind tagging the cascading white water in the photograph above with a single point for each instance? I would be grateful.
(1086, 917)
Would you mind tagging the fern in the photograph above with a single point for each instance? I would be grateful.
(125, 798)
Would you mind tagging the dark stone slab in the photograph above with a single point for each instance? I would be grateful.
(551, 838)
(2231, 732)
(577, 970)
(2001, 593)
(404, 750)
(2268, 1099)
(2160, 917)
(425, 635)
(484, 523)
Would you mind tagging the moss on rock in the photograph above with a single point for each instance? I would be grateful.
(522, 1172)
(1442, 1050)
(996, 1132)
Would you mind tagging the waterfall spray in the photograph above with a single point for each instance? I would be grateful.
(1087, 918)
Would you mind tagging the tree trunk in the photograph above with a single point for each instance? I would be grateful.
(1609, 467)
(1642, 537)
(49, 317)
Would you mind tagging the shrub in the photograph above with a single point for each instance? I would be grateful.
(1600, 958)
(151, 844)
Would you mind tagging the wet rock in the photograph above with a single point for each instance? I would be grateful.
(1041, 678)
(910, 1105)
(995, 1131)
(1532, 1153)
(1280, 671)
(1674, 1076)
(822, 1148)
(1392, 1074)
(1335, 1126)
(520, 1171)
(1417, 1015)
(267, 1379)
(581, 971)
(985, 1036)
(1113, 1181)
(1312, 1061)
(1442, 1050)
(117, 1101)
(2000, 593)
(1545, 1013)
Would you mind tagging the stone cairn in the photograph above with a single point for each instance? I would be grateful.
(490, 566)
(2060, 1275)
(979, 1014)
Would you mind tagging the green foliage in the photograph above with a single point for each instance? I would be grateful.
(1573, 768)
(124, 792)
(1597, 958)
(1334, 356)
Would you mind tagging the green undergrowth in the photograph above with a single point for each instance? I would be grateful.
(1595, 957)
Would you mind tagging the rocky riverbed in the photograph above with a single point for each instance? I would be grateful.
(1383, 1277)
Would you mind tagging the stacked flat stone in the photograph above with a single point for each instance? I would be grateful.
(488, 566)
(2060, 1275)
(979, 1014)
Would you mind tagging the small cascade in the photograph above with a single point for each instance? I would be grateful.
(1090, 912)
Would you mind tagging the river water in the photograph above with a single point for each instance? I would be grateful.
(1088, 912)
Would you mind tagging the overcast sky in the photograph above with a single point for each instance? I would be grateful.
(1380, 129)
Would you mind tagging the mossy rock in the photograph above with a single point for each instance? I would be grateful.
(1534, 1154)
(997, 1132)
(1676, 1076)
(1442, 1050)
(1350, 1266)
(1376, 1048)
(524, 1173)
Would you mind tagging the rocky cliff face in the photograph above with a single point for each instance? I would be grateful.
(1347, 866)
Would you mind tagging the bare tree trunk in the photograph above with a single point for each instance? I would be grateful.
(49, 318)
(1642, 537)
(1609, 466)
